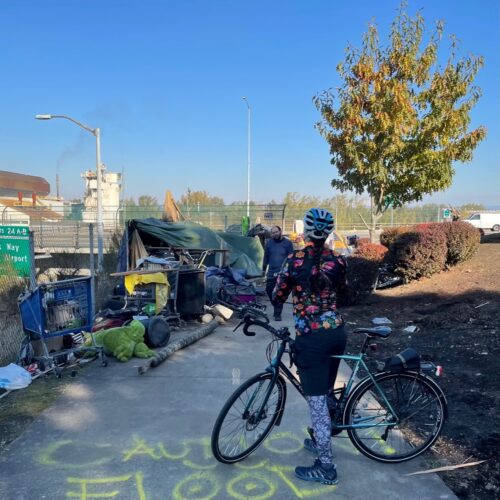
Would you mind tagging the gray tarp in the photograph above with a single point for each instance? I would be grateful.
(245, 253)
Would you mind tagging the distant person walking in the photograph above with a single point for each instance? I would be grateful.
(276, 251)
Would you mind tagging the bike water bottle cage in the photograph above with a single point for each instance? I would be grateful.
(318, 223)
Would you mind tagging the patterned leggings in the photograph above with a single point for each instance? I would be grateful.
(322, 426)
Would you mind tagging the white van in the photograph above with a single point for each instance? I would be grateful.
(485, 220)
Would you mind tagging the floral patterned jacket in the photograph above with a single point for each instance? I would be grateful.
(312, 311)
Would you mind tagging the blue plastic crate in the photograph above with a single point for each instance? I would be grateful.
(58, 308)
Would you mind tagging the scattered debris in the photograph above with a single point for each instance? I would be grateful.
(206, 318)
(446, 468)
(481, 305)
(381, 321)
(220, 310)
(410, 329)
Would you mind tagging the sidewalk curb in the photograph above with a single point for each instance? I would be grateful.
(177, 345)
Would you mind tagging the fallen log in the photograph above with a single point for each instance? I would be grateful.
(176, 345)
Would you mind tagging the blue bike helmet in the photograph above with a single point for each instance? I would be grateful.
(318, 224)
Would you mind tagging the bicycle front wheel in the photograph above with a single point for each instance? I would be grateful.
(419, 412)
(248, 417)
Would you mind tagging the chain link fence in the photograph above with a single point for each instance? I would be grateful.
(11, 332)
(60, 250)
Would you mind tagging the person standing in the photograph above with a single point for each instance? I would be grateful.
(315, 276)
(276, 251)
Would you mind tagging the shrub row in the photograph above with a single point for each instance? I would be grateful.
(361, 276)
(413, 253)
(390, 234)
(418, 253)
(426, 249)
(371, 251)
(363, 267)
(463, 241)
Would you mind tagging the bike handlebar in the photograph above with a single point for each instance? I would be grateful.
(250, 320)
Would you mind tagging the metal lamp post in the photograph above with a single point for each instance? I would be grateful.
(97, 134)
(249, 136)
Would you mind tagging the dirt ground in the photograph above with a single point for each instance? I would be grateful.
(458, 317)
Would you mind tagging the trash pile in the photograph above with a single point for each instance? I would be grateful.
(174, 277)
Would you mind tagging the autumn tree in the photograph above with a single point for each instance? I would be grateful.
(146, 200)
(193, 198)
(400, 119)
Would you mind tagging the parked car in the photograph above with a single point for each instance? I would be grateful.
(485, 220)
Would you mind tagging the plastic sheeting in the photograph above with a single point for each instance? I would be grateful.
(245, 253)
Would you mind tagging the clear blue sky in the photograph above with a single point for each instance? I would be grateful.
(164, 81)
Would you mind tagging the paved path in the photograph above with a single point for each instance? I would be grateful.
(115, 434)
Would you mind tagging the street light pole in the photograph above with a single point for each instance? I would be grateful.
(100, 225)
(249, 151)
(96, 132)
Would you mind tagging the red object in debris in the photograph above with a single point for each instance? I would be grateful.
(439, 370)
(32, 369)
(107, 323)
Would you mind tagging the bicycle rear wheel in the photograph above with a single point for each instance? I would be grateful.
(420, 411)
(239, 429)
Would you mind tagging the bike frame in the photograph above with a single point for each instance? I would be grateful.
(277, 366)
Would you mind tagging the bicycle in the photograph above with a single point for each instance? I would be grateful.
(389, 416)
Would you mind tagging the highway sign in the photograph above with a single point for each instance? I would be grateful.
(15, 249)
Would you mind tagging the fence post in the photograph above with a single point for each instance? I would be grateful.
(77, 235)
(91, 264)
(32, 261)
(41, 234)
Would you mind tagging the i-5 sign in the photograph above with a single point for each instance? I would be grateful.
(15, 249)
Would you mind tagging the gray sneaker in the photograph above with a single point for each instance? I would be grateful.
(318, 473)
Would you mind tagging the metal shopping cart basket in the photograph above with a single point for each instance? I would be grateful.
(56, 309)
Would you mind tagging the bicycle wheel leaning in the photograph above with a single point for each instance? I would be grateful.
(239, 430)
(419, 404)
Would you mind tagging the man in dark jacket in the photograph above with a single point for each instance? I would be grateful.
(276, 251)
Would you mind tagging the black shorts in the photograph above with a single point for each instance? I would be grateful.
(316, 368)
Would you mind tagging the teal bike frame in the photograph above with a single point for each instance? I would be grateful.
(362, 422)
(277, 367)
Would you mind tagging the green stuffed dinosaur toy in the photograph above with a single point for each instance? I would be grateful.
(123, 342)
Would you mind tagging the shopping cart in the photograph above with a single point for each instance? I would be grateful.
(56, 309)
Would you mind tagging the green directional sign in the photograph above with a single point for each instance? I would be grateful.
(15, 249)
(446, 213)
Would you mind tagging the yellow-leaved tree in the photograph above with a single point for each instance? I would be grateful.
(400, 120)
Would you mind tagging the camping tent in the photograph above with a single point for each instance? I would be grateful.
(245, 253)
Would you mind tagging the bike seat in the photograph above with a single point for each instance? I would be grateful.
(374, 331)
